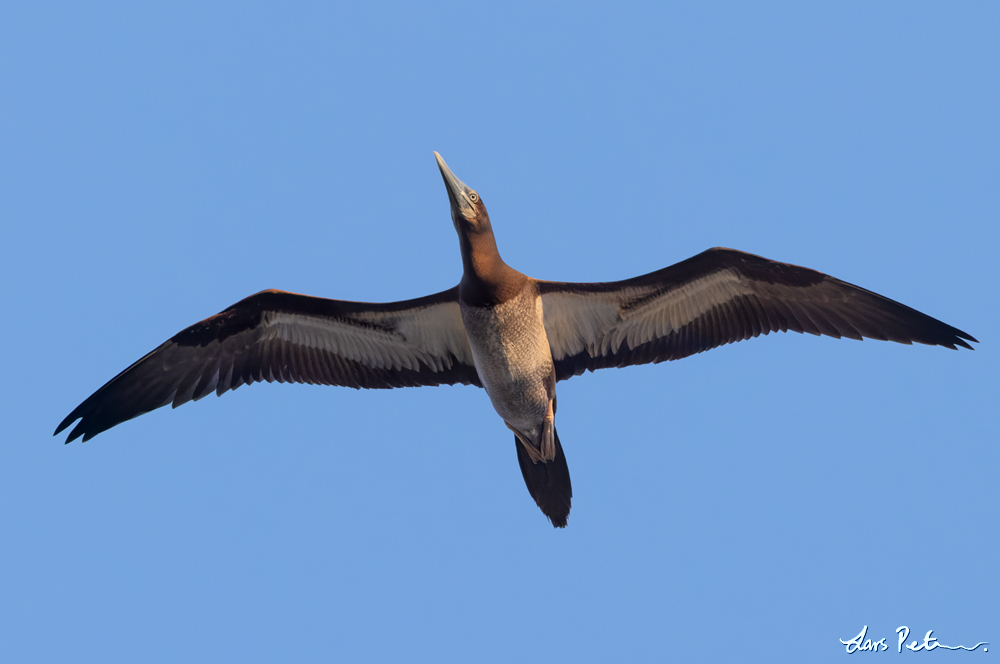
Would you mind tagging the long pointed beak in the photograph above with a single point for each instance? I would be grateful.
(458, 191)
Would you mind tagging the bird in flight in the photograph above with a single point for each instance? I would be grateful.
(501, 330)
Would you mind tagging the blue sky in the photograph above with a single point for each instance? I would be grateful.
(760, 502)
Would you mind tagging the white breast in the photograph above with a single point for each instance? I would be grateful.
(512, 356)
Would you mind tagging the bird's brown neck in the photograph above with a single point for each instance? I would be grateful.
(486, 280)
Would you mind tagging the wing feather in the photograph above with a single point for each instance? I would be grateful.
(718, 297)
(286, 337)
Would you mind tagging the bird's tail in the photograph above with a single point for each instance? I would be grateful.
(548, 483)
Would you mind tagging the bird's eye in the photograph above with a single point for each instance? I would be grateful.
(474, 197)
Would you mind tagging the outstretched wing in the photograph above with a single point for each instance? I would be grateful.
(285, 337)
(717, 297)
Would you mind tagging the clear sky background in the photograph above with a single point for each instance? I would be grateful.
(755, 503)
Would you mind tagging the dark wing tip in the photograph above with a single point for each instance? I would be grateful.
(72, 417)
(947, 336)
(96, 414)
(62, 426)
(86, 427)
(965, 336)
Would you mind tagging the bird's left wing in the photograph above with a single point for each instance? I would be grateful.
(717, 297)
(286, 337)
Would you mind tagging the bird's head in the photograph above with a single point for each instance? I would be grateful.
(467, 210)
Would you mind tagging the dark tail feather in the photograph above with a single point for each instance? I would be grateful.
(548, 483)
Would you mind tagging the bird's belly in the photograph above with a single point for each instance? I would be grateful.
(512, 356)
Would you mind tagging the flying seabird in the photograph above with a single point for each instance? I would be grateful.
(501, 330)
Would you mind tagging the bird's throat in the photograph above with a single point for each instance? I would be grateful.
(487, 280)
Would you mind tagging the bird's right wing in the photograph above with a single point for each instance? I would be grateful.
(286, 337)
(717, 297)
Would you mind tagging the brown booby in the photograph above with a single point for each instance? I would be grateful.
(501, 330)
